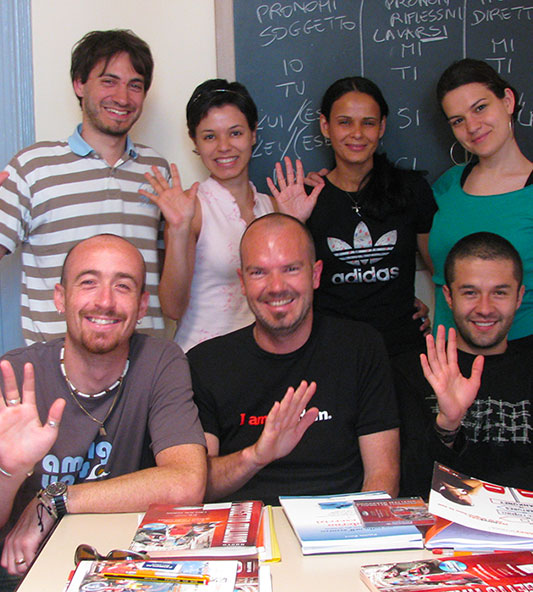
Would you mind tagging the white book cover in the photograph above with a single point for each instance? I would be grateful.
(331, 524)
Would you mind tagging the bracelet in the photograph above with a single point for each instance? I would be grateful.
(9, 475)
(446, 436)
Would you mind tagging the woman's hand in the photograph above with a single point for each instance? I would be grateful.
(291, 197)
(177, 205)
(422, 313)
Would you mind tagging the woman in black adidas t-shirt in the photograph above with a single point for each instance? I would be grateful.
(369, 219)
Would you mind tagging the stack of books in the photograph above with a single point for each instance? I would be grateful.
(212, 548)
(475, 515)
(331, 524)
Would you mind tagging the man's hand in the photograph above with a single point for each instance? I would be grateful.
(291, 197)
(455, 393)
(23, 440)
(422, 313)
(22, 543)
(177, 205)
(285, 425)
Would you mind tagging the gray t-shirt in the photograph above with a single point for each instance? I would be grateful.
(154, 411)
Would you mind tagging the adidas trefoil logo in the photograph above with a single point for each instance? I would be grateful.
(363, 251)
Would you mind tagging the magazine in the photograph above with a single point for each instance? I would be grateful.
(478, 515)
(330, 524)
(89, 576)
(212, 530)
(496, 572)
(252, 577)
(407, 510)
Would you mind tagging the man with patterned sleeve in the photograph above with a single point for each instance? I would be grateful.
(467, 403)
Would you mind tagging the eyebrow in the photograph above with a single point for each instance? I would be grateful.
(208, 129)
(116, 77)
(97, 273)
(472, 106)
(473, 286)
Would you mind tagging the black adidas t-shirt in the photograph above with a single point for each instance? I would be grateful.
(369, 264)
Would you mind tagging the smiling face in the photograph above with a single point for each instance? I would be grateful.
(278, 277)
(112, 97)
(479, 119)
(224, 141)
(355, 127)
(484, 297)
(101, 295)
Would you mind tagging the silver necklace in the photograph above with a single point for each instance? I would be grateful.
(356, 207)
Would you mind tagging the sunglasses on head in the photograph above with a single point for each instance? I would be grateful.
(84, 552)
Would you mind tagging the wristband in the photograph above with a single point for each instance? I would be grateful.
(446, 436)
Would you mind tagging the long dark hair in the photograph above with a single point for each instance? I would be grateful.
(467, 71)
(383, 189)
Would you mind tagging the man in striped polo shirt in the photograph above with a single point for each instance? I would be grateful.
(61, 192)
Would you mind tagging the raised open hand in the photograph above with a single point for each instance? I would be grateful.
(455, 393)
(291, 197)
(285, 425)
(177, 205)
(23, 440)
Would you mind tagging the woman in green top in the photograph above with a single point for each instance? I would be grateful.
(494, 191)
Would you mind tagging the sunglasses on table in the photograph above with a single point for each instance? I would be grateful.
(84, 552)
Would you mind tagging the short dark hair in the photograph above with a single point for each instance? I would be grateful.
(103, 45)
(353, 83)
(278, 219)
(466, 71)
(218, 92)
(483, 245)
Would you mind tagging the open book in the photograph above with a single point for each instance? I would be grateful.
(477, 515)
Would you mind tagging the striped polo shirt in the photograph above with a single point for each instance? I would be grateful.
(59, 193)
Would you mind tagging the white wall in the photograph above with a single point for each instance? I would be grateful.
(181, 34)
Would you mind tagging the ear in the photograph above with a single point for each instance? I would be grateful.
(143, 305)
(59, 298)
(241, 279)
(78, 87)
(521, 293)
(324, 126)
(382, 126)
(509, 100)
(254, 136)
(447, 295)
(317, 272)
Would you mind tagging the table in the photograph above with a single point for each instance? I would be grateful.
(295, 572)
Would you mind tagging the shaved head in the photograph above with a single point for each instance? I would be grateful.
(276, 220)
(104, 240)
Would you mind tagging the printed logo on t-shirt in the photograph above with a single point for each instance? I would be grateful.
(259, 420)
(72, 468)
(364, 252)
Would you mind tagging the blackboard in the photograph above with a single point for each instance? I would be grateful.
(288, 53)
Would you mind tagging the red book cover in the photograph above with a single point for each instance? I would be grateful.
(498, 572)
(211, 530)
(394, 512)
